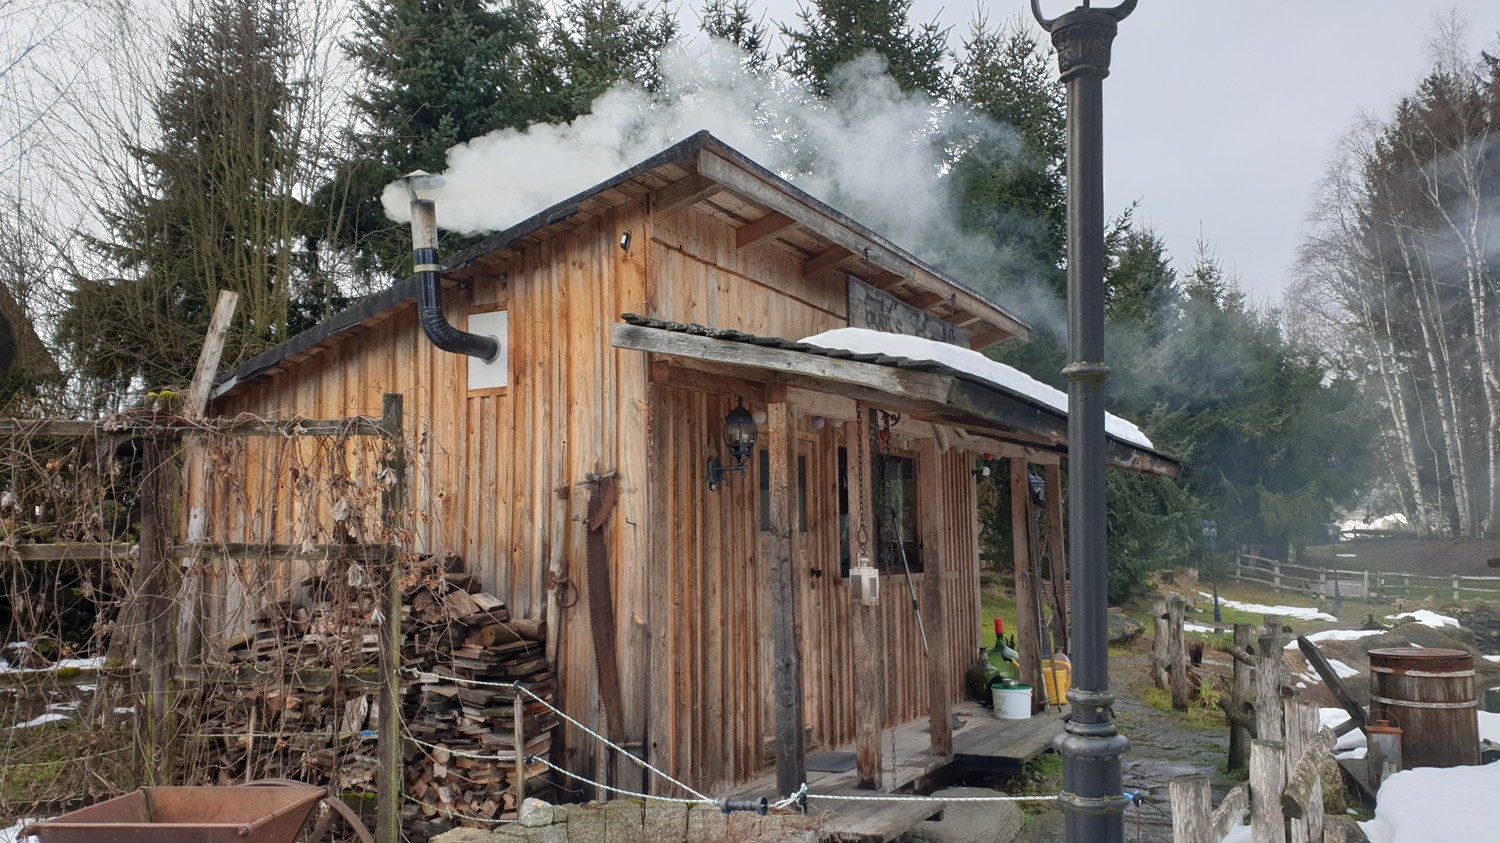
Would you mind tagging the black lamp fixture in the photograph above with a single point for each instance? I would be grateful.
(1038, 489)
(739, 437)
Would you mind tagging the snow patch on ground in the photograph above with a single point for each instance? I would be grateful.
(41, 720)
(1238, 834)
(1492, 658)
(865, 341)
(1489, 727)
(1425, 618)
(1337, 635)
(64, 664)
(13, 834)
(1431, 803)
(1197, 627)
(1332, 718)
(1301, 613)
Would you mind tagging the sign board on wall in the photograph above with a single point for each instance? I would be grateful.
(881, 311)
(495, 374)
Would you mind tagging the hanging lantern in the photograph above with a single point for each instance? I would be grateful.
(864, 582)
(1384, 751)
(1038, 489)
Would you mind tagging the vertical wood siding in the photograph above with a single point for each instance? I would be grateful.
(498, 474)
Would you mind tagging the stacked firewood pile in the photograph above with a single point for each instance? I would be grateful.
(314, 714)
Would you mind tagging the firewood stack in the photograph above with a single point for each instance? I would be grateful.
(326, 735)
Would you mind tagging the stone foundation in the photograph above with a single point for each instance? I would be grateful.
(637, 822)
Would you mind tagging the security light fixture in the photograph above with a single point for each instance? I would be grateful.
(1210, 531)
(739, 437)
(1038, 489)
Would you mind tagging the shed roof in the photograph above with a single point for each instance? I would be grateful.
(705, 173)
(931, 389)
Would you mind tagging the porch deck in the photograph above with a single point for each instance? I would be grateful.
(981, 743)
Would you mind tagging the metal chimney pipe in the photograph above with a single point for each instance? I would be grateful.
(1092, 799)
(429, 290)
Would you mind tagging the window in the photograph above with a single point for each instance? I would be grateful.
(894, 488)
(765, 491)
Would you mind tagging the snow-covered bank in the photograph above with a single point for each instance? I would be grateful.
(1425, 618)
(1417, 806)
(1301, 613)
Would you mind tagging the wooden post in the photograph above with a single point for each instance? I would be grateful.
(930, 497)
(1238, 577)
(869, 677)
(155, 651)
(1304, 780)
(1268, 716)
(1267, 778)
(1192, 804)
(190, 627)
(1366, 576)
(791, 751)
(392, 504)
(1055, 528)
(1455, 588)
(518, 714)
(1159, 649)
(1406, 585)
(1239, 694)
(1276, 575)
(1176, 655)
(1028, 625)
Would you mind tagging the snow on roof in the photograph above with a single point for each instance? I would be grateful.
(866, 341)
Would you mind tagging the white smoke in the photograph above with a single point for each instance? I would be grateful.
(872, 151)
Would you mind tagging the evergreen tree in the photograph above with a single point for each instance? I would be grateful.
(1010, 168)
(732, 21)
(215, 209)
(835, 32)
(598, 43)
(437, 73)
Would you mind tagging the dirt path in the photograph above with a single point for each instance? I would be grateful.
(1163, 745)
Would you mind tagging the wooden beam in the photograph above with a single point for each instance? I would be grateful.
(981, 340)
(1057, 552)
(682, 377)
(791, 749)
(830, 258)
(213, 350)
(900, 382)
(869, 677)
(1028, 625)
(812, 402)
(933, 517)
(763, 230)
(886, 280)
(685, 193)
(924, 300)
(357, 426)
(393, 502)
(837, 232)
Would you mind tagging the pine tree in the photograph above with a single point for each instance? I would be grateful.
(835, 32)
(215, 209)
(732, 21)
(436, 74)
(598, 43)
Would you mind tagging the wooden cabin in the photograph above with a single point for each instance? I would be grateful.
(634, 318)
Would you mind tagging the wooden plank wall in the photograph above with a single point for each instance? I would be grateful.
(712, 713)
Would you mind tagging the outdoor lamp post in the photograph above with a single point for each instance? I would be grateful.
(1211, 532)
(1093, 797)
(1338, 597)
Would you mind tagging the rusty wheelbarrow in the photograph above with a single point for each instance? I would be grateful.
(270, 811)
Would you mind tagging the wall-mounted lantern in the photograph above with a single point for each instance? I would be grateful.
(864, 582)
(739, 437)
(1038, 489)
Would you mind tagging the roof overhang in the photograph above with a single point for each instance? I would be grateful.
(988, 411)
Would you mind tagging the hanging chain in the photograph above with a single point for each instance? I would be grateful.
(863, 537)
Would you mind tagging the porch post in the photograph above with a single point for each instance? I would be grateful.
(868, 668)
(1028, 625)
(1052, 472)
(932, 517)
(791, 750)
(1091, 747)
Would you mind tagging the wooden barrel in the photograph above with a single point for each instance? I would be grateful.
(1429, 694)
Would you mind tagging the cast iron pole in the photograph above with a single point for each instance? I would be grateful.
(1092, 797)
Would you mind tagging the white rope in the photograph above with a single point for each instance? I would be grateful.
(794, 799)
(842, 798)
(516, 686)
(630, 793)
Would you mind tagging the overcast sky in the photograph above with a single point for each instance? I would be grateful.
(1221, 115)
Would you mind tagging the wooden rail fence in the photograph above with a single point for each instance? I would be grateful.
(1359, 584)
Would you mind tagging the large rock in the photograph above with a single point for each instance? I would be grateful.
(969, 822)
(1124, 629)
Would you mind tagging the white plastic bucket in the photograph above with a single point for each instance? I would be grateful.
(1011, 703)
